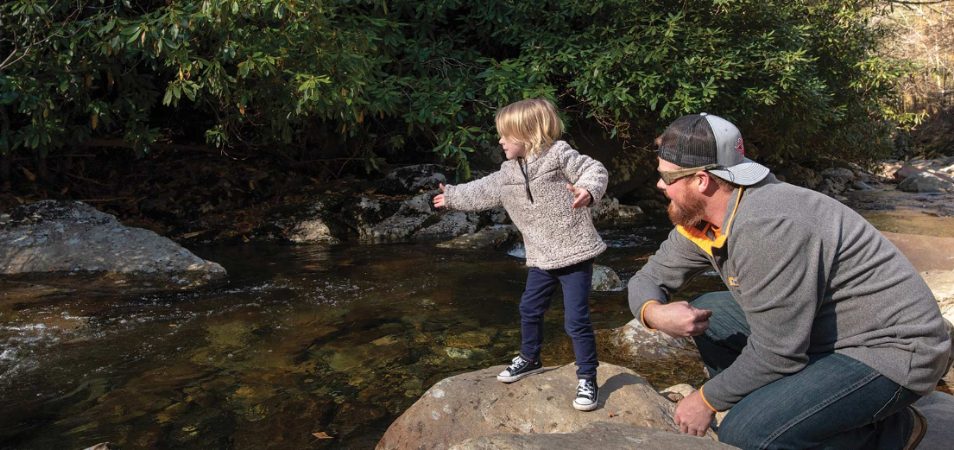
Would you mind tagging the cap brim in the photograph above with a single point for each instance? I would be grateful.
(745, 173)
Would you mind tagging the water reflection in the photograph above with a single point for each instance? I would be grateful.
(301, 340)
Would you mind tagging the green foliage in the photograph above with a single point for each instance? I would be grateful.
(309, 78)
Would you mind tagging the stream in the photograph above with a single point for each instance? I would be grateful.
(302, 342)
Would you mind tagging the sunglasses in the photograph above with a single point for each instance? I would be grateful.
(672, 176)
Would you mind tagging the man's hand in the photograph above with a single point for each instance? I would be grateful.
(581, 197)
(677, 319)
(692, 415)
(439, 198)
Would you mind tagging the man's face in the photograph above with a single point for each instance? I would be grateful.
(686, 206)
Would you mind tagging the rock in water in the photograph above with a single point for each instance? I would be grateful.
(475, 405)
(73, 244)
(605, 279)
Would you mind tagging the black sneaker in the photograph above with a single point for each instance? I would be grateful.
(587, 394)
(518, 369)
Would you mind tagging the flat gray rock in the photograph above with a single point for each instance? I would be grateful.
(73, 244)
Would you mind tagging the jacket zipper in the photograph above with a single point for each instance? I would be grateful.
(526, 178)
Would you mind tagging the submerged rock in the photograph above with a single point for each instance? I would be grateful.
(496, 236)
(72, 244)
(475, 405)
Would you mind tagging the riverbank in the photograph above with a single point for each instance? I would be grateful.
(305, 340)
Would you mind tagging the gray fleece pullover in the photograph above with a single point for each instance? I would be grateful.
(554, 233)
(811, 276)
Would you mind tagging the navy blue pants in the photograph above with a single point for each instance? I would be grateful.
(576, 281)
(835, 402)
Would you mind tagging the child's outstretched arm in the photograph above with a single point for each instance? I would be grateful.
(477, 195)
(439, 198)
(584, 173)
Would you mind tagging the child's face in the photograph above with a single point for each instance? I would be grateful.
(512, 148)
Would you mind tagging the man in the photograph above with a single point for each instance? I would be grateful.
(826, 334)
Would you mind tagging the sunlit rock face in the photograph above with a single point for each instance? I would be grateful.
(475, 405)
(72, 245)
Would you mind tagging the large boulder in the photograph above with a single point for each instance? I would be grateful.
(925, 182)
(598, 435)
(313, 221)
(72, 244)
(415, 219)
(475, 404)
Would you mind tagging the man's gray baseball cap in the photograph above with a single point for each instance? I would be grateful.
(703, 139)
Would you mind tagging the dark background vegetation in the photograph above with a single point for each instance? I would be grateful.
(160, 110)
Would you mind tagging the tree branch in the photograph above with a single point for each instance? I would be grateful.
(61, 26)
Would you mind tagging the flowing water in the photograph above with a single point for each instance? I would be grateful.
(305, 347)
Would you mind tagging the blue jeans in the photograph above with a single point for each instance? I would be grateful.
(576, 281)
(835, 402)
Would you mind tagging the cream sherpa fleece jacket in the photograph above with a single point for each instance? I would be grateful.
(554, 233)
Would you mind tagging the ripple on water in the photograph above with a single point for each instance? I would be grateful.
(21, 343)
(282, 351)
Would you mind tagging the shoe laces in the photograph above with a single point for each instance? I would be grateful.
(517, 363)
(585, 388)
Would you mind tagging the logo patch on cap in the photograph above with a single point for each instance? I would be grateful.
(739, 148)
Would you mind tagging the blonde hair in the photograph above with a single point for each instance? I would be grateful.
(533, 122)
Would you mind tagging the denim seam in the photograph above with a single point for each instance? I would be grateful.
(831, 399)
(894, 398)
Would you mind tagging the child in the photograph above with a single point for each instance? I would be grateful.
(546, 187)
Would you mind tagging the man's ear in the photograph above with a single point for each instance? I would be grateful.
(702, 181)
(705, 183)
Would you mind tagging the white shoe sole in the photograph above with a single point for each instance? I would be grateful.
(506, 379)
(580, 407)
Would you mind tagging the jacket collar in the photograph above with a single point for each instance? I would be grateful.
(710, 237)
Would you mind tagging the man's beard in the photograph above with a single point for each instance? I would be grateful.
(691, 214)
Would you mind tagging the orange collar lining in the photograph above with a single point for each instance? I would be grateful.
(701, 237)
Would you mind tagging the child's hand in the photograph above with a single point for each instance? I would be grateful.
(439, 198)
(581, 197)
